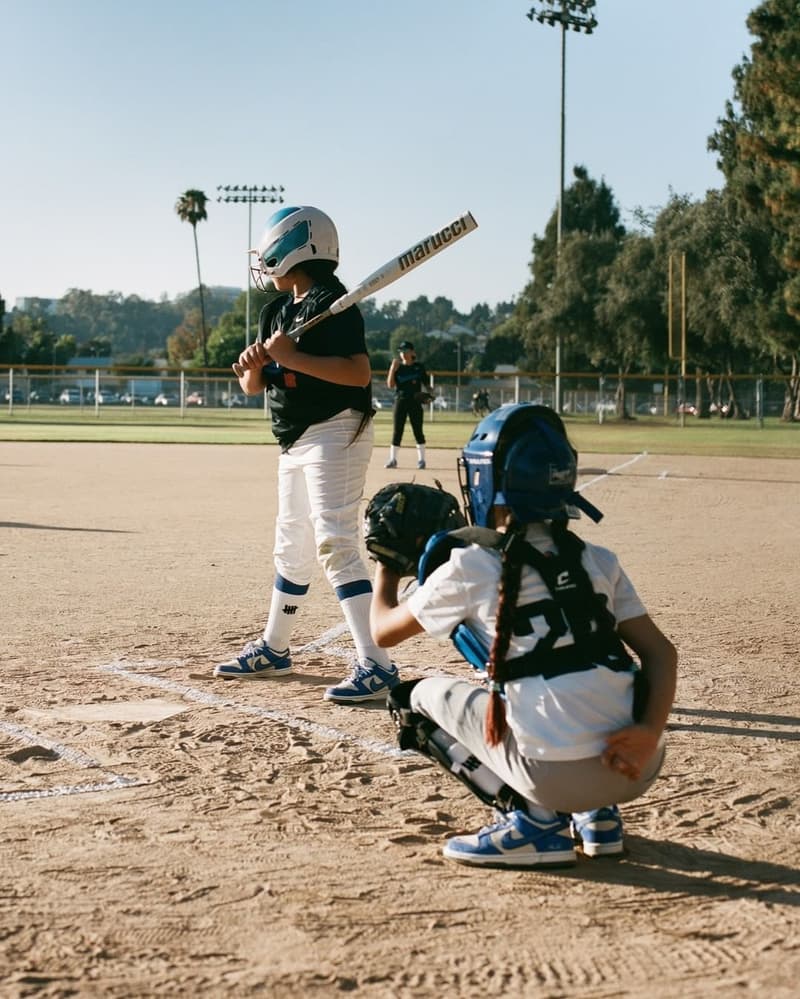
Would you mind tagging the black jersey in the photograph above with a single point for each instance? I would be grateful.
(298, 400)
(410, 379)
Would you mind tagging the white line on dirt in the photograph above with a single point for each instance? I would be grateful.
(611, 471)
(128, 672)
(114, 782)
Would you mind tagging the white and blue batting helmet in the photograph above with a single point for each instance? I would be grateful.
(294, 235)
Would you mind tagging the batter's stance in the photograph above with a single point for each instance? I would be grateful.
(320, 395)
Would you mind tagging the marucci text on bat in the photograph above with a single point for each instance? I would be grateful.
(433, 243)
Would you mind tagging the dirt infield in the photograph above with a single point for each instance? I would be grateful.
(165, 833)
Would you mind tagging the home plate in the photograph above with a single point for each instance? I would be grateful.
(151, 710)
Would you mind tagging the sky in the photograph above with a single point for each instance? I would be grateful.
(394, 118)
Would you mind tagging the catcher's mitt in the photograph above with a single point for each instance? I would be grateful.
(423, 397)
(401, 517)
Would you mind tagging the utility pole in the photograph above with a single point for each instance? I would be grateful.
(575, 14)
(249, 195)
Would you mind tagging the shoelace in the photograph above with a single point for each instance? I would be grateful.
(500, 820)
(360, 670)
(252, 648)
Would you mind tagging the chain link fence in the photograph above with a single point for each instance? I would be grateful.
(601, 397)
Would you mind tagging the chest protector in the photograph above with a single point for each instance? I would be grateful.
(576, 608)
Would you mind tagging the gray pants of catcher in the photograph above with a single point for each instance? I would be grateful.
(459, 708)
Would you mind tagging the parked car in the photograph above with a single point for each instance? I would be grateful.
(605, 406)
(439, 402)
(195, 399)
(41, 395)
(69, 396)
(686, 407)
(167, 399)
(14, 395)
(135, 399)
(105, 397)
(232, 400)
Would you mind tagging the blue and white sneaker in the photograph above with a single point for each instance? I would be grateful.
(256, 661)
(367, 682)
(515, 840)
(600, 831)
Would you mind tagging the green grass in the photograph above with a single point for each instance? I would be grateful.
(446, 430)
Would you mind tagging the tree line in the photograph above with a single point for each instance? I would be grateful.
(602, 291)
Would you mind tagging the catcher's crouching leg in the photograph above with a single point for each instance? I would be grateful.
(415, 731)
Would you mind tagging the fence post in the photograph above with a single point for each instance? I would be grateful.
(760, 401)
(600, 392)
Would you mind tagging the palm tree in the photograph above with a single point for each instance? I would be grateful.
(191, 208)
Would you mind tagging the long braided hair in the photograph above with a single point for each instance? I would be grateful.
(512, 560)
(495, 724)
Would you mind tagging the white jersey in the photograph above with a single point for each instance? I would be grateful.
(567, 717)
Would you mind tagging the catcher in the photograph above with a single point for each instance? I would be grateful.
(408, 378)
(560, 727)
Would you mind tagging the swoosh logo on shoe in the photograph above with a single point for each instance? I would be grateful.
(259, 664)
(374, 684)
(509, 840)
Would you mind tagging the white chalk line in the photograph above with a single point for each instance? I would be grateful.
(611, 471)
(124, 670)
(115, 781)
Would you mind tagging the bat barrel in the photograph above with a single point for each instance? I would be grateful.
(393, 269)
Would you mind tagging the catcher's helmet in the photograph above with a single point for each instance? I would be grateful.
(519, 457)
(293, 235)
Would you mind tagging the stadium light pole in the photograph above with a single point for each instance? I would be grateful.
(575, 14)
(249, 195)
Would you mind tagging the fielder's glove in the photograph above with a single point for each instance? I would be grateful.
(423, 397)
(401, 517)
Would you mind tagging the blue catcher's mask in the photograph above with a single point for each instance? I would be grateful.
(519, 457)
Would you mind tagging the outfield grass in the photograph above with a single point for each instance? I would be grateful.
(446, 430)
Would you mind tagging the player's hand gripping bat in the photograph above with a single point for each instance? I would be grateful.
(393, 269)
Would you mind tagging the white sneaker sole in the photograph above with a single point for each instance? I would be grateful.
(558, 858)
(355, 698)
(268, 673)
(602, 849)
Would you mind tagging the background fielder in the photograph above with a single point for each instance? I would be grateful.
(409, 380)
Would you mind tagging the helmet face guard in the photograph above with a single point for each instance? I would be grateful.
(519, 457)
(293, 235)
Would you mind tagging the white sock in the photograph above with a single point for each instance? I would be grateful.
(392, 453)
(421, 452)
(356, 614)
(541, 814)
(287, 598)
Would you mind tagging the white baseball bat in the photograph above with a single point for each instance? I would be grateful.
(393, 269)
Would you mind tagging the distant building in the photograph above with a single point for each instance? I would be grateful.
(47, 305)
(451, 333)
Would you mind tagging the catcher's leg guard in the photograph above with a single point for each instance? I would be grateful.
(415, 731)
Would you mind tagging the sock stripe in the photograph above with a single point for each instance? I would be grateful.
(354, 589)
(297, 589)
